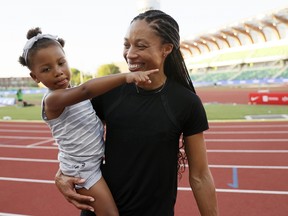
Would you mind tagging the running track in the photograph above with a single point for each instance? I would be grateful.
(249, 162)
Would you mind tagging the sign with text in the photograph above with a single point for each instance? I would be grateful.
(7, 101)
(269, 98)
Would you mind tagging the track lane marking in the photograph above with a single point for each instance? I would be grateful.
(246, 140)
(186, 165)
(246, 132)
(220, 190)
(9, 214)
(249, 126)
(40, 143)
(24, 137)
(179, 188)
(26, 131)
(247, 167)
(246, 151)
(27, 180)
(28, 160)
(27, 147)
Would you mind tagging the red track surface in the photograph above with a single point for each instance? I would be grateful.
(257, 152)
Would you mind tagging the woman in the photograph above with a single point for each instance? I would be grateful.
(144, 124)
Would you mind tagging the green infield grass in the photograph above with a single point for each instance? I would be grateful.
(214, 111)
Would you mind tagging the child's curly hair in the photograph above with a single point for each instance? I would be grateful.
(39, 44)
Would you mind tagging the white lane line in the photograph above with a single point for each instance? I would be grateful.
(26, 131)
(26, 147)
(24, 137)
(9, 214)
(242, 191)
(27, 180)
(246, 140)
(249, 126)
(208, 150)
(246, 151)
(29, 160)
(179, 188)
(246, 132)
(186, 165)
(40, 143)
(247, 167)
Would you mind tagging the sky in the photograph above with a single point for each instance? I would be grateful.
(93, 30)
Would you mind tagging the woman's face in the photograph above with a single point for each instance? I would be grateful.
(143, 49)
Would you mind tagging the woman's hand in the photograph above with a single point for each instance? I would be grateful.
(66, 186)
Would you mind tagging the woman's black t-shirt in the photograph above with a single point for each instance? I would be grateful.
(142, 144)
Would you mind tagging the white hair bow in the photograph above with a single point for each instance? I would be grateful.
(29, 44)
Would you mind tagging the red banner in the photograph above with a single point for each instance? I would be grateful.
(268, 98)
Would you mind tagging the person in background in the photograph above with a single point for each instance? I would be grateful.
(69, 113)
(19, 95)
(144, 124)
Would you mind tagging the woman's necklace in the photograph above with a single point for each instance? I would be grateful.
(154, 91)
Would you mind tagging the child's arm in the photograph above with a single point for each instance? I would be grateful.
(57, 100)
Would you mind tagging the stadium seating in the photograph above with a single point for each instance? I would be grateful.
(263, 60)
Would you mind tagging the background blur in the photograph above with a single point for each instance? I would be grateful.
(94, 30)
(236, 51)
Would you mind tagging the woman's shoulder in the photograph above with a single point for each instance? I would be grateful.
(180, 91)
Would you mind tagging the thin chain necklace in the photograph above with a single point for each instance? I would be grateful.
(155, 91)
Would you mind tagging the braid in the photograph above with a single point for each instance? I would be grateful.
(167, 28)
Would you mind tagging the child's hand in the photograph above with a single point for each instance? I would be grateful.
(140, 76)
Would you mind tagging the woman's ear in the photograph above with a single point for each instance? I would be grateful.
(32, 75)
(167, 49)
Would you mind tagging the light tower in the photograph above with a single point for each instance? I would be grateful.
(144, 5)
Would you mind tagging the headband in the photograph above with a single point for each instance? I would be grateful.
(29, 44)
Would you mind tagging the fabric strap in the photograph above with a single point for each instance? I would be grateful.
(29, 44)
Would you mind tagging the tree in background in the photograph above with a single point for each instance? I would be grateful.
(107, 69)
(75, 77)
(78, 77)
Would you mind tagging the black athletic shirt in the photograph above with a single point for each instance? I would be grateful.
(142, 143)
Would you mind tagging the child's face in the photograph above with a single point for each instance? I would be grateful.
(49, 66)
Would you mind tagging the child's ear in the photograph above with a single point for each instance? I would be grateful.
(32, 75)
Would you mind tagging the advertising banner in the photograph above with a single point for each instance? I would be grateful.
(268, 98)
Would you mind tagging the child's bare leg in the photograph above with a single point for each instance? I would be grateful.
(104, 204)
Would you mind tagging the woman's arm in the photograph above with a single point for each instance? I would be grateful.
(200, 178)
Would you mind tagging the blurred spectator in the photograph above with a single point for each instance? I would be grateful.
(19, 95)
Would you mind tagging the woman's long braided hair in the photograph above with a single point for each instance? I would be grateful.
(174, 67)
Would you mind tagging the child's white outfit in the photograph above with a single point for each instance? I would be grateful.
(79, 134)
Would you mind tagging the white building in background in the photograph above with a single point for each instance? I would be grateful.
(144, 5)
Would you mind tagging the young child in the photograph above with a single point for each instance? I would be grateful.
(69, 114)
